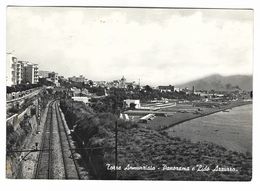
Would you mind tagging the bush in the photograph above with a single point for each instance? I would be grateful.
(9, 129)
(13, 110)
(33, 111)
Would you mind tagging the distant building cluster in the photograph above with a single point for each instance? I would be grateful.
(169, 88)
(50, 76)
(122, 83)
(19, 72)
(80, 79)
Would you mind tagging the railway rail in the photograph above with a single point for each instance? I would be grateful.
(71, 169)
(44, 165)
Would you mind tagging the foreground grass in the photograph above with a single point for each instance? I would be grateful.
(143, 147)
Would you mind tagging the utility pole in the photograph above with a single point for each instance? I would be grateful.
(116, 150)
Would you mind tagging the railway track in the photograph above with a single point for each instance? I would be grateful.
(44, 165)
(56, 129)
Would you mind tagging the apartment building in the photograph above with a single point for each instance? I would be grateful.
(11, 71)
(31, 73)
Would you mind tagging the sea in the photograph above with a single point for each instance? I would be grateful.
(232, 129)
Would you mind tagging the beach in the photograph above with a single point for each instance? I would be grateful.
(232, 129)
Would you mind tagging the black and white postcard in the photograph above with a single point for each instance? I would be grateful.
(129, 93)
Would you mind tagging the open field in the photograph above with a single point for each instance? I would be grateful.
(157, 149)
(159, 123)
(179, 114)
(159, 105)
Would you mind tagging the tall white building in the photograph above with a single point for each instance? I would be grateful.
(21, 74)
(11, 71)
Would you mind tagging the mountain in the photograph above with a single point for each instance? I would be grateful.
(218, 82)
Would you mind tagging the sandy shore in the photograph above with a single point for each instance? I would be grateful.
(232, 130)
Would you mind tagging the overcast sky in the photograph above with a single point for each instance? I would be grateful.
(159, 46)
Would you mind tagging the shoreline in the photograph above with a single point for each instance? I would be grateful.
(208, 113)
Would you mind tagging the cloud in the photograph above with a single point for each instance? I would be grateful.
(160, 46)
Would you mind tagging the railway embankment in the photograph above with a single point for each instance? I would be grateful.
(16, 142)
(93, 136)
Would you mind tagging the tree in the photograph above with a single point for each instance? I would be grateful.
(90, 82)
(148, 88)
(132, 105)
(130, 87)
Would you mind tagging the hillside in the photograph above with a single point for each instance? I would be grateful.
(218, 82)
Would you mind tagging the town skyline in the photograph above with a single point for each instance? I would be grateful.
(136, 81)
(106, 44)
